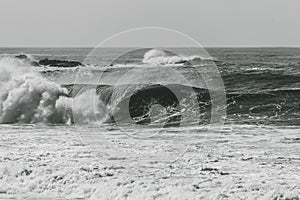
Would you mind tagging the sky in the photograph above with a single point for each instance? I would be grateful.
(86, 23)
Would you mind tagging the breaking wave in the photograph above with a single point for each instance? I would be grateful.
(27, 97)
(160, 57)
(138, 100)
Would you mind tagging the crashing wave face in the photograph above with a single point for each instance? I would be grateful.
(148, 104)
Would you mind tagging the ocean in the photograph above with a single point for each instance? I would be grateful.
(117, 123)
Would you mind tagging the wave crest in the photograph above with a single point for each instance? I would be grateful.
(160, 57)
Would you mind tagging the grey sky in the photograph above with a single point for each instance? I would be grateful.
(210, 22)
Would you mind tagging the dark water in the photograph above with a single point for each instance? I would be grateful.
(262, 84)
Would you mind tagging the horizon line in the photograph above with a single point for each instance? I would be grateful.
(89, 47)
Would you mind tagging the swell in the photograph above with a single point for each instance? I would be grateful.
(277, 107)
(260, 82)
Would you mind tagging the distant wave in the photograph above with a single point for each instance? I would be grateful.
(160, 57)
(47, 65)
(47, 62)
(59, 63)
(151, 58)
(289, 57)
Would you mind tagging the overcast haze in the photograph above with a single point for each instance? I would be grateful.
(87, 22)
